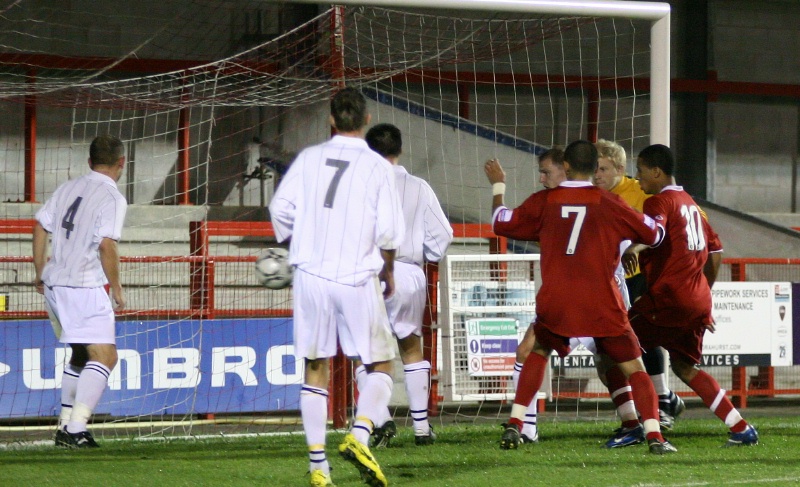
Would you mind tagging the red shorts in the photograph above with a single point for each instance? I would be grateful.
(683, 343)
(670, 316)
(621, 348)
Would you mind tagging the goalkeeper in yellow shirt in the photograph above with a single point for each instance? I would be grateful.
(610, 175)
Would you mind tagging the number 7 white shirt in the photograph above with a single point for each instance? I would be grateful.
(338, 202)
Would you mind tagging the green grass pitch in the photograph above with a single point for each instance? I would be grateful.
(569, 454)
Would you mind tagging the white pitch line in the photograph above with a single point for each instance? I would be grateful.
(727, 482)
(45, 443)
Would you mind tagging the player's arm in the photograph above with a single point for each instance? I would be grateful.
(630, 258)
(711, 268)
(438, 232)
(655, 217)
(40, 237)
(521, 223)
(645, 233)
(282, 207)
(497, 178)
(387, 273)
(109, 259)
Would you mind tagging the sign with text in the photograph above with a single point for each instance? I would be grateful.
(165, 367)
(753, 324)
(491, 346)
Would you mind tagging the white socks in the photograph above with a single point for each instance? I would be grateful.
(418, 381)
(373, 405)
(529, 422)
(89, 388)
(314, 412)
(69, 386)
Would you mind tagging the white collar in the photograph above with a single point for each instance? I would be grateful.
(576, 184)
(399, 169)
(347, 140)
(98, 176)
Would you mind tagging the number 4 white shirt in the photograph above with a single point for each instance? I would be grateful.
(79, 215)
(338, 202)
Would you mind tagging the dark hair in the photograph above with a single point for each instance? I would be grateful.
(106, 150)
(660, 156)
(385, 139)
(349, 110)
(581, 156)
(555, 154)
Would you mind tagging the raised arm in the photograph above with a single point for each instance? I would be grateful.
(497, 178)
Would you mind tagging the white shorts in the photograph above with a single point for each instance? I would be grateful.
(325, 309)
(84, 313)
(407, 305)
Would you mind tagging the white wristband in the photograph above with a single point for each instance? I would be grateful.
(498, 188)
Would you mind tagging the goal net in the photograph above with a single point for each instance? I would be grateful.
(212, 100)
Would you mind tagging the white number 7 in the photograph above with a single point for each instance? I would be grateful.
(580, 214)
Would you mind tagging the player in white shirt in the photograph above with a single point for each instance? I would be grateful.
(338, 203)
(84, 218)
(428, 234)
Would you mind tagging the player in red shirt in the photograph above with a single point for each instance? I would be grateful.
(676, 309)
(579, 228)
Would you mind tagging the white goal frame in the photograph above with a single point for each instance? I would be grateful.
(658, 13)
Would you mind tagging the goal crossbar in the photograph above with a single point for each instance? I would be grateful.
(658, 13)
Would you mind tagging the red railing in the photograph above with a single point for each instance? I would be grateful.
(202, 292)
(201, 303)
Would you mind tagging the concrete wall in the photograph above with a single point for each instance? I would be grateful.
(756, 139)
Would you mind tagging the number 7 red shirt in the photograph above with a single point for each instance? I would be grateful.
(579, 228)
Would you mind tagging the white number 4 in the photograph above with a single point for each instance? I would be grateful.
(580, 214)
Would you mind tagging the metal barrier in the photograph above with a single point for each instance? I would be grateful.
(195, 285)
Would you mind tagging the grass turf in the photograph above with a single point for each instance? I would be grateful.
(569, 453)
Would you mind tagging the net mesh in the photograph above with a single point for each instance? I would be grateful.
(212, 100)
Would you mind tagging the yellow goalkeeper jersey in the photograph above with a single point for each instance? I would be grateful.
(629, 190)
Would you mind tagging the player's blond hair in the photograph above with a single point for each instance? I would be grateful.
(612, 151)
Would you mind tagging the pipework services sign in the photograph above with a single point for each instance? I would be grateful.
(754, 322)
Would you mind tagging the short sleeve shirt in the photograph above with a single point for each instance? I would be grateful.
(579, 228)
(674, 271)
(428, 233)
(338, 202)
(79, 215)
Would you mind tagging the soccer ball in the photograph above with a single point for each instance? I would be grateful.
(273, 269)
